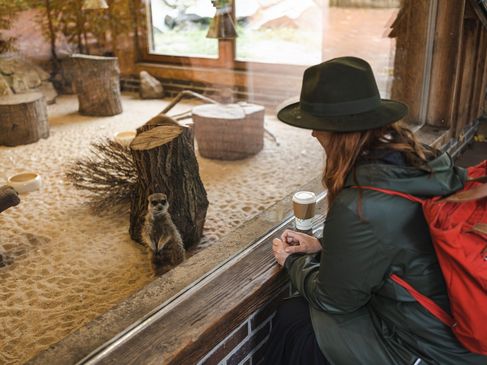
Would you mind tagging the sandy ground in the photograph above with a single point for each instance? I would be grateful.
(65, 266)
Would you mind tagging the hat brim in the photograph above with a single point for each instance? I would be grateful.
(389, 111)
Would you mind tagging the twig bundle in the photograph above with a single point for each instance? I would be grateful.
(109, 175)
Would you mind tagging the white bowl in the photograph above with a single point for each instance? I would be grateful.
(25, 182)
(125, 137)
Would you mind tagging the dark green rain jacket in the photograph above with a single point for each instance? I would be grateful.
(359, 315)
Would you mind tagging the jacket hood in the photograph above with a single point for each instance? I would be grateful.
(444, 178)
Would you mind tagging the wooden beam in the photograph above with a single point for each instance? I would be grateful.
(410, 31)
(469, 56)
(478, 77)
(446, 49)
(482, 96)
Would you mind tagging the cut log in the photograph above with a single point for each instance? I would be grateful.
(229, 131)
(97, 84)
(23, 119)
(166, 163)
(8, 198)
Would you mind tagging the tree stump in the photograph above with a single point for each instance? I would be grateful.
(166, 163)
(23, 119)
(97, 84)
(229, 131)
(8, 198)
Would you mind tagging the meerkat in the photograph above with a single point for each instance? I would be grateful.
(160, 234)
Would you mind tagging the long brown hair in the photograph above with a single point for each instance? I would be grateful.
(344, 149)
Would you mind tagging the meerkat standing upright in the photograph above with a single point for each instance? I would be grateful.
(160, 234)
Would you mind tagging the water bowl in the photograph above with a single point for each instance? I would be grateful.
(25, 182)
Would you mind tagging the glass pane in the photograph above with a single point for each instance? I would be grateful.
(279, 31)
(179, 28)
(308, 32)
(363, 32)
(60, 261)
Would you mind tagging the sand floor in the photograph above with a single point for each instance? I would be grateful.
(65, 265)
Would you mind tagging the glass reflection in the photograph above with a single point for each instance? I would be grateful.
(179, 28)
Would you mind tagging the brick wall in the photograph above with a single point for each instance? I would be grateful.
(246, 344)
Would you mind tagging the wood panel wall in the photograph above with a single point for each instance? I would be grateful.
(457, 78)
(410, 31)
(468, 56)
(449, 25)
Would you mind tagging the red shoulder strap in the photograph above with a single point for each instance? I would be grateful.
(427, 303)
(392, 192)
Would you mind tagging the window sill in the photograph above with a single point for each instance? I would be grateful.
(270, 77)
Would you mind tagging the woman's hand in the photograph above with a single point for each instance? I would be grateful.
(293, 242)
(297, 242)
(279, 250)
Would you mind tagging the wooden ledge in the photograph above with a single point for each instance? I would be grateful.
(188, 331)
(442, 138)
(433, 136)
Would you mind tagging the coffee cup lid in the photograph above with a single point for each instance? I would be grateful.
(304, 197)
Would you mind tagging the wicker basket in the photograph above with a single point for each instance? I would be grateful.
(229, 131)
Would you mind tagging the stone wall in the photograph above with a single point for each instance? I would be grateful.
(20, 76)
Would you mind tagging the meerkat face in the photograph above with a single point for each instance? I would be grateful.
(158, 203)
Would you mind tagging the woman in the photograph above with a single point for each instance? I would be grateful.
(349, 312)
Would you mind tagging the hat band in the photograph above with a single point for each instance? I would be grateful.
(344, 108)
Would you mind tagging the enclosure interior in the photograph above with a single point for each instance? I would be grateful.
(64, 265)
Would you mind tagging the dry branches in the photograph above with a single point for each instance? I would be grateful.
(109, 175)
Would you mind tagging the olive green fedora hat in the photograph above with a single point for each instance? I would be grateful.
(341, 95)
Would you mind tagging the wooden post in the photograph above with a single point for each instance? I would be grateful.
(444, 72)
(410, 31)
(166, 163)
(23, 119)
(97, 83)
(482, 103)
(468, 59)
(480, 76)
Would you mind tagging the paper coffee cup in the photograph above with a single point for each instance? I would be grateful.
(304, 206)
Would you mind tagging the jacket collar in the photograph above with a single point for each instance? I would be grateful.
(444, 178)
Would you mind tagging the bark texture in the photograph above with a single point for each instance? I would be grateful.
(23, 119)
(8, 198)
(97, 84)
